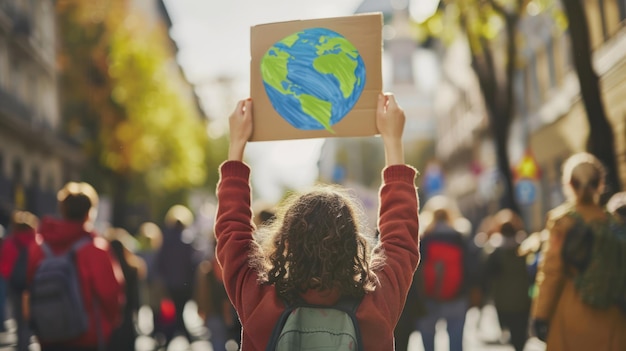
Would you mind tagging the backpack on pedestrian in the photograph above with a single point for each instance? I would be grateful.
(313, 327)
(442, 270)
(601, 282)
(56, 305)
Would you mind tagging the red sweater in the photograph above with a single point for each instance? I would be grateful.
(10, 250)
(99, 274)
(259, 306)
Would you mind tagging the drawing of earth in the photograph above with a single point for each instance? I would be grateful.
(313, 78)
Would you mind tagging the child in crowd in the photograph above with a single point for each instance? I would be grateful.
(314, 250)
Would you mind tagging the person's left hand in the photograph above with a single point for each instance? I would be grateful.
(240, 122)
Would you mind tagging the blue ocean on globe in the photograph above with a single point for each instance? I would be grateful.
(313, 78)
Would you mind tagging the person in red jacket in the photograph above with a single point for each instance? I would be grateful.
(13, 258)
(99, 274)
(316, 252)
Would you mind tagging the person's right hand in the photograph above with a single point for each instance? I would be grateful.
(390, 121)
(240, 123)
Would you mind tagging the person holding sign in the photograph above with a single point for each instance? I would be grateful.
(313, 252)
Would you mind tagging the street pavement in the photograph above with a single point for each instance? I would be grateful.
(482, 333)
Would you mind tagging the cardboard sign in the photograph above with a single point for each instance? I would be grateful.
(316, 78)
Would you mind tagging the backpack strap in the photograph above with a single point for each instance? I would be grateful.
(47, 251)
(80, 243)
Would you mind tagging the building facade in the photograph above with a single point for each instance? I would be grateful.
(550, 120)
(35, 158)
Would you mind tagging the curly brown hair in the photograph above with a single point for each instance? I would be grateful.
(314, 242)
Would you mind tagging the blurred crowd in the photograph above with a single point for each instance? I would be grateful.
(115, 273)
(565, 284)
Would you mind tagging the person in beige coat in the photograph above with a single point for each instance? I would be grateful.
(559, 314)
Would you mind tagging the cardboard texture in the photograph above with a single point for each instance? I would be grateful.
(269, 41)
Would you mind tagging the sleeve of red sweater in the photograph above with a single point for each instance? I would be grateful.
(398, 225)
(233, 230)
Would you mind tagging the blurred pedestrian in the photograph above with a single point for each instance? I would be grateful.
(176, 264)
(414, 309)
(150, 240)
(13, 263)
(133, 267)
(444, 274)
(99, 276)
(214, 307)
(582, 274)
(508, 280)
(314, 251)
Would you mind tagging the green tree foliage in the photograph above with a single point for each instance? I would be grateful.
(162, 135)
(125, 102)
(490, 27)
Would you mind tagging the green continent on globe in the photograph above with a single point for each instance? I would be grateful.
(274, 69)
(341, 64)
(319, 109)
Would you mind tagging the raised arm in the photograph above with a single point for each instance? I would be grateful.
(240, 122)
(398, 213)
(390, 123)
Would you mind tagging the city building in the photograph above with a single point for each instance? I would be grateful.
(35, 158)
(550, 122)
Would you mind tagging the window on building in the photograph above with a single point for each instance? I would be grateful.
(18, 195)
(566, 49)
(35, 180)
(18, 171)
(15, 79)
(50, 186)
(621, 4)
(543, 76)
(3, 63)
(603, 20)
(520, 92)
(533, 97)
(550, 47)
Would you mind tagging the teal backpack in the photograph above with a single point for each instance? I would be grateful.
(321, 328)
(602, 280)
